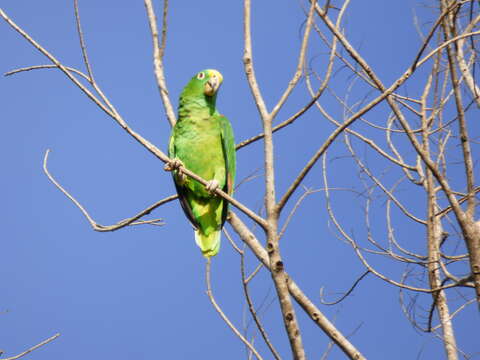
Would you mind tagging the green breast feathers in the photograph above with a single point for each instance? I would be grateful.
(202, 141)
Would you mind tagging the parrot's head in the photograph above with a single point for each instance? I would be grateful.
(206, 82)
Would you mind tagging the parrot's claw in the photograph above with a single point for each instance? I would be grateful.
(174, 164)
(211, 186)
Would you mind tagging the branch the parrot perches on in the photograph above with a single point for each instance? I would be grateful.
(202, 141)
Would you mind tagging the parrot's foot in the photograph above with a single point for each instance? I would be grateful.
(174, 164)
(211, 186)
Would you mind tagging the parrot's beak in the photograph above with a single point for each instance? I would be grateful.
(213, 83)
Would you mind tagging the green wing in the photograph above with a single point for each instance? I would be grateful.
(228, 145)
(181, 190)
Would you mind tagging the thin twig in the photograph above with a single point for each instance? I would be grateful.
(294, 209)
(357, 249)
(235, 246)
(298, 72)
(248, 63)
(251, 308)
(367, 171)
(460, 201)
(222, 314)
(158, 51)
(36, 67)
(344, 296)
(283, 124)
(93, 223)
(33, 348)
(82, 42)
(368, 141)
(254, 272)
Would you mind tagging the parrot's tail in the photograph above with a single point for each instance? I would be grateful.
(210, 244)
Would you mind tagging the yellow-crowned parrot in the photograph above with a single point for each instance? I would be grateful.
(202, 141)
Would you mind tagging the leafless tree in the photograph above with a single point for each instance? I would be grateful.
(422, 149)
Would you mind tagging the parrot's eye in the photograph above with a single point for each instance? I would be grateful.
(201, 75)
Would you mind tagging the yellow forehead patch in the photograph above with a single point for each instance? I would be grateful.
(216, 73)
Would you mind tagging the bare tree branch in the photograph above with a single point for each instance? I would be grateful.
(344, 296)
(32, 348)
(158, 51)
(248, 63)
(360, 255)
(251, 308)
(104, 228)
(222, 314)
(307, 305)
(358, 135)
(82, 42)
(434, 235)
(254, 272)
(37, 67)
(298, 72)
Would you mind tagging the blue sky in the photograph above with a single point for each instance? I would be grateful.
(140, 292)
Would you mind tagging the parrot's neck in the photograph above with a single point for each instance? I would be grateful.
(203, 106)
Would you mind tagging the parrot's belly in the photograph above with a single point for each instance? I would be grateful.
(203, 154)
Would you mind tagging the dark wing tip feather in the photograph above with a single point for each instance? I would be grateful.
(228, 188)
(182, 197)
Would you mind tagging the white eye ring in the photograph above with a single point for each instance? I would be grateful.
(201, 75)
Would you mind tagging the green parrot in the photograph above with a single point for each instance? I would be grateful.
(202, 141)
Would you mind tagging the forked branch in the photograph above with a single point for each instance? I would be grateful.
(158, 51)
(222, 314)
(104, 228)
(307, 305)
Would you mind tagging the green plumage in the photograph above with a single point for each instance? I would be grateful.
(202, 140)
